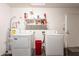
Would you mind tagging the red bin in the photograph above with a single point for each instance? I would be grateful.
(38, 47)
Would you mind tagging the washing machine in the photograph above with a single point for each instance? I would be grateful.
(21, 44)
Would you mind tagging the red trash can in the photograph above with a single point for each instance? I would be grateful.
(38, 47)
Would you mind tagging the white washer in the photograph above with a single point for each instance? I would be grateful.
(54, 44)
(21, 44)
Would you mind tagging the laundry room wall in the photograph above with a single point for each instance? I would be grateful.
(4, 23)
(55, 17)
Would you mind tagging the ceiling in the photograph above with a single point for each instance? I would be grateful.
(47, 5)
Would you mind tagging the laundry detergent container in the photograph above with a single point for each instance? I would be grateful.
(38, 47)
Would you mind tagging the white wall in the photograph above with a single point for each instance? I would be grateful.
(55, 16)
(4, 21)
(72, 35)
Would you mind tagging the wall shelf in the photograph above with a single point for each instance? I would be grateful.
(34, 24)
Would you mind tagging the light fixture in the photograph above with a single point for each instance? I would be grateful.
(38, 4)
